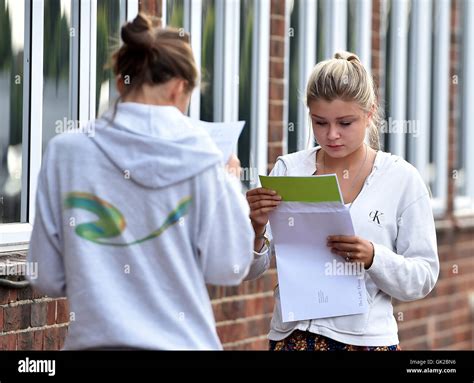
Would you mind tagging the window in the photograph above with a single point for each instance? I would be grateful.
(12, 109)
(58, 81)
(175, 13)
(303, 45)
(464, 174)
(254, 30)
(38, 98)
(417, 91)
(208, 54)
(110, 17)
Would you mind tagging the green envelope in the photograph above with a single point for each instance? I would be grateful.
(323, 188)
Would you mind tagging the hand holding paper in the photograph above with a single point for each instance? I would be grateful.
(314, 283)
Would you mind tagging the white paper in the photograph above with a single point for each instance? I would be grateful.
(309, 275)
(224, 134)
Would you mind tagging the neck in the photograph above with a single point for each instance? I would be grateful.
(341, 164)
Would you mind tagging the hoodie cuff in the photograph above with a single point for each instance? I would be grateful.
(377, 261)
(258, 255)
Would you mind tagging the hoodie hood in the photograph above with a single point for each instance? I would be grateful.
(157, 146)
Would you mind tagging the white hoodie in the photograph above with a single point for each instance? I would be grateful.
(131, 220)
(393, 211)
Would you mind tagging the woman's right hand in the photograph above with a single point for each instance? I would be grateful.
(262, 202)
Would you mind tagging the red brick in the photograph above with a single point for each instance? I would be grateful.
(276, 90)
(51, 339)
(11, 318)
(51, 313)
(232, 332)
(62, 336)
(408, 331)
(4, 294)
(39, 312)
(1, 319)
(25, 316)
(277, 70)
(26, 340)
(24, 294)
(277, 48)
(12, 295)
(38, 340)
(63, 311)
(277, 26)
(278, 7)
(274, 152)
(8, 342)
(275, 112)
(237, 331)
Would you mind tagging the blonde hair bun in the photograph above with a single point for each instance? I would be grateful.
(343, 55)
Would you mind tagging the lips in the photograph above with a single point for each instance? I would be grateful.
(335, 146)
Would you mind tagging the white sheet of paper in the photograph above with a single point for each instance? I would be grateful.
(224, 134)
(309, 275)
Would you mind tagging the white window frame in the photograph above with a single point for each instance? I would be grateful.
(164, 12)
(192, 20)
(87, 59)
(17, 235)
(398, 75)
(133, 9)
(363, 31)
(193, 25)
(419, 88)
(260, 77)
(307, 20)
(464, 205)
(336, 12)
(226, 64)
(440, 121)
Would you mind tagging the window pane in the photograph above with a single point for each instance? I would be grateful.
(207, 59)
(12, 43)
(247, 13)
(56, 88)
(110, 17)
(175, 13)
(295, 68)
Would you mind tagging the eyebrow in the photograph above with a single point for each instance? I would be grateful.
(338, 118)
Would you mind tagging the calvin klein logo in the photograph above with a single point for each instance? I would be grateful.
(376, 216)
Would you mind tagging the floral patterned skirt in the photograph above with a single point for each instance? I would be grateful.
(307, 341)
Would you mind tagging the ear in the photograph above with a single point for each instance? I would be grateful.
(177, 89)
(372, 111)
(120, 85)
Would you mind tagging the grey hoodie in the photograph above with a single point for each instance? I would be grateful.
(131, 223)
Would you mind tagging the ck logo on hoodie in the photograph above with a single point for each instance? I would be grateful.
(111, 222)
(376, 216)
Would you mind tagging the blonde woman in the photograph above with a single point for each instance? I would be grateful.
(389, 203)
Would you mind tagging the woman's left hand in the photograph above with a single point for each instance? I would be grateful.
(352, 248)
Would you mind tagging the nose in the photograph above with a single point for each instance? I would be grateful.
(333, 133)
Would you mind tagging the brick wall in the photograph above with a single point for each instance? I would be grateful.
(277, 82)
(29, 321)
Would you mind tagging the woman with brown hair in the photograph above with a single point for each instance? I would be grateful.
(132, 221)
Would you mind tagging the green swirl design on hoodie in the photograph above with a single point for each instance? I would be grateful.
(111, 222)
